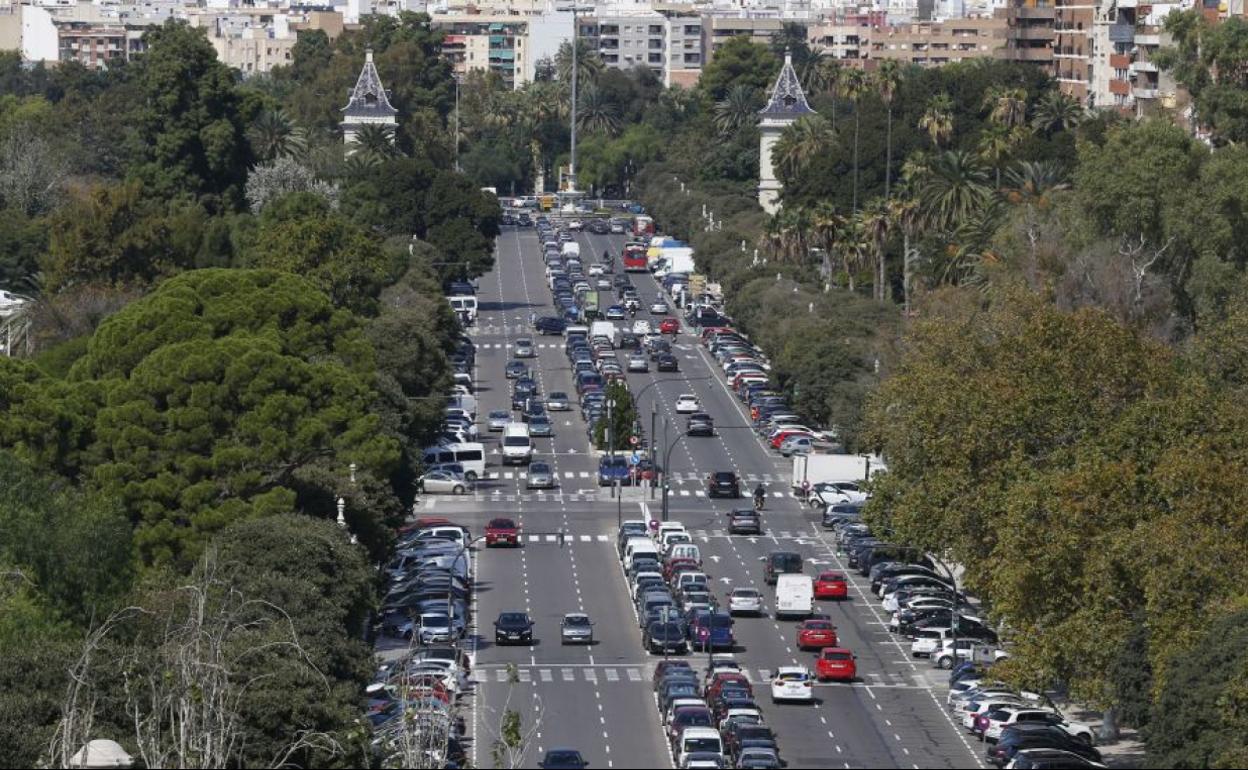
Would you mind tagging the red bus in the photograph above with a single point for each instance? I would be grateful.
(643, 225)
(635, 259)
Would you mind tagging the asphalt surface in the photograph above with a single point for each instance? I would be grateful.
(598, 698)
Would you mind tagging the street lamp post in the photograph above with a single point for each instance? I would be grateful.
(667, 456)
(456, 76)
(957, 608)
(572, 168)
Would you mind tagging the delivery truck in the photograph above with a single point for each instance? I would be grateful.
(815, 468)
(603, 329)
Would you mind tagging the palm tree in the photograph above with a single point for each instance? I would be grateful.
(375, 142)
(995, 144)
(887, 79)
(876, 223)
(802, 142)
(1056, 112)
(937, 120)
(854, 84)
(1006, 106)
(595, 113)
(589, 64)
(1034, 182)
(819, 74)
(825, 222)
(738, 109)
(953, 190)
(274, 135)
(792, 37)
(904, 211)
(851, 244)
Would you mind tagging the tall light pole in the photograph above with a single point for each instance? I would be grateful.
(456, 76)
(575, 34)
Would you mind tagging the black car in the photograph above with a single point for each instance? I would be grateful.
(700, 424)
(563, 759)
(550, 325)
(723, 484)
(524, 220)
(781, 563)
(744, 522)
(667, 363)
(662, 636)
(1015, 738)
(513, 628)
(1050, 759)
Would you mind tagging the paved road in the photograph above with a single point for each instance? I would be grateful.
(598, 699)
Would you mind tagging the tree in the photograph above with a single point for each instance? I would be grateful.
(1006, 106)
(800, 143)
(31, 174)
(230, 394)
(596, 114)
(1199, 718)
(1056, 111)
(623, 420)
(589, 64)
(334, 254)
(738, 61)
(284, 177)
(375, 143)
(273, 135)
(853, 86)
(737, 110)
(193, 122)
(955, 187)
(887, 79)
(937, 120)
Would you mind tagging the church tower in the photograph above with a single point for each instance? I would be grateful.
(369, 104)
(786, 105)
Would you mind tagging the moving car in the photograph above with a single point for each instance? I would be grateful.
(502, 531)
(616, 313)
(744, 522)
(556, 401)
(792, 683)
(540, 425)
(576, 628)
(816, 634)
(669, 326)
(666, 362)
(687, 403)
(700, 424)
(513, 628)
(541, 476)
(744, 601)
(563, 759)
(550, 325)
(837, 664)
(723, 484)
(638, 363)
(831, 585)
(435, 482)
(658, 307)
(613, 469)
(516, 369)
(524, 349)
(498, 420)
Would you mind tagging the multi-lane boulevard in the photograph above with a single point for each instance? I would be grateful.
(598, 699)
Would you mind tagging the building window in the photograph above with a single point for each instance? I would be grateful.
(656, 29)
(656, 58)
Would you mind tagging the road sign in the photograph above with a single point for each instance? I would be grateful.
(633, 440)
(636, 458)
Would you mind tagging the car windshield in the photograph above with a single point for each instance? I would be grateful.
(513, 619)
(502, 524)
(828, 655)
(746, 593)
(818, 625)
(721, 621)
(725, 477)
(702, 744)
(576, 620)
(499, 415)
(537, 468)
(792, 676)
(563, 758)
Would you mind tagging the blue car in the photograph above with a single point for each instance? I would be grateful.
(612, 469)
(715, 626)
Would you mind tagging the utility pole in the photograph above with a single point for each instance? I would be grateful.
(572, 169)
(457, 122)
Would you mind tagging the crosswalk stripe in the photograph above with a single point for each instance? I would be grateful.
(508, 475)
(684, 493)
(584, 474)
(591, 676)
(568, 675)
(634, 675)
(546, 675)
(500, 675)
(612, 675)
(526, 675)
(699, 493)
(552, 538)
(569, 475)
(523, 475)
(603, 538)
(585, 538)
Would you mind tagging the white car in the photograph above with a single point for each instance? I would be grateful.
(687, 403)
(1012, 715)
(839, 492)
(1058, 758)
(792, 683)
(575, 224)
(745, 600)
(595, 269)
(659, 307)
(641, 327)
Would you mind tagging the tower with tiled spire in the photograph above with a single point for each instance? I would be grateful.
(369, 104)
(786, 104)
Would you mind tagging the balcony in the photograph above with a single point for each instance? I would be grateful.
(1119, 87)
(1027, 54)
(1143, 66)
(1030, 13)
(1144, 93)
(1030, 33)
(1147, 39)
(1119, 61)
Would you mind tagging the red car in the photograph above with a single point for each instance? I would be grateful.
(501, 532)
(831, 585)
(778, 438)
(816, 634)
(669, 326)
(836, 663)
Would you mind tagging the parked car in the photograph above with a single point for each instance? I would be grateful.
(1016, 738)
(435, 482)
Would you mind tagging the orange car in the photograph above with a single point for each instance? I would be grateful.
(836, 663)
(816, 634)
(831, 585)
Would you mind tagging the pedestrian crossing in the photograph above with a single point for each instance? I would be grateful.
(676, 478)
(598, 673)
(697, 534)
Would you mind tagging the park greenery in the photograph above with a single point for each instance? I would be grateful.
(232, 324)
(1034, 312)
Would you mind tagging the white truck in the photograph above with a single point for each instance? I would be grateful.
(795, 596)
(812, 469)
(675, 259)
(571, 249)
(603, 329)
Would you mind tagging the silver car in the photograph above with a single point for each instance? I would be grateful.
(498, 419)
(541, 476)
(745, 601)
(524, 349)
(435, 482)
(576, 628)
(541, 426)
(638, 363)
(557, 401)
(796, 445)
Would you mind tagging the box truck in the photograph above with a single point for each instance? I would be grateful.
(812, 469)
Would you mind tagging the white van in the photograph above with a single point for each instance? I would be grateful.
(517, 446)
(638, 546)
(471, 455)
(571, 248)
(464, 303)
(685, 551)
(795, 595)
(698, 740)
(668, 526)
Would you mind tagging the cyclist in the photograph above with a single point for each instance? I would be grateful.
(760, 494)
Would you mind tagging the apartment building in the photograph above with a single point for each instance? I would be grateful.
(846, 38)
(96, 46)
(1073, 22)
(931, 44)
(498, 44)
(1029, 32)
(718, 27)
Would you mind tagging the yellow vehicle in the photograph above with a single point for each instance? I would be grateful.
(547, 202)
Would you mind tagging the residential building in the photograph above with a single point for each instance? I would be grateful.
(930, 44)
(495, 44)
(720, 27)
(95, 46)
(1029, 32)
(1073, 22)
